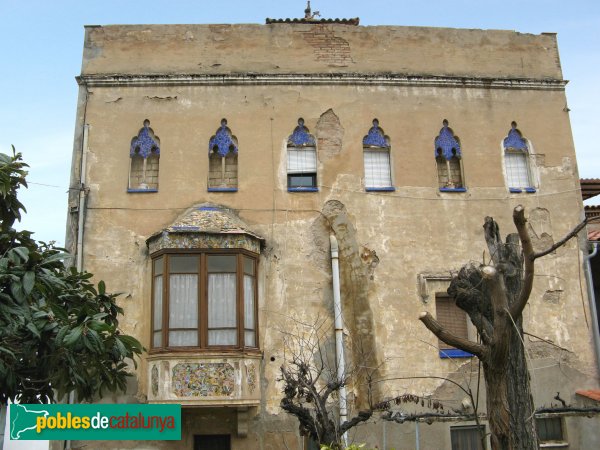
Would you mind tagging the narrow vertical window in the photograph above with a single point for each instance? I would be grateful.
(183, 301)
(157, 304)
(301, 160)
(144, 153)
(448, 158)
(249, 302)
(223, 161)
(376, 156)
(222, 288)
(516, 161)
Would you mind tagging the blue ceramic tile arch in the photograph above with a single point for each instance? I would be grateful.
(301, 136)
(446, 144)
(376, 137)
(145, 143)
(223, 141)
(515, 140)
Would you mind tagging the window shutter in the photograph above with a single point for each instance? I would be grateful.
(302, 160)
(377, 168)
(517, 172)
(450, 317)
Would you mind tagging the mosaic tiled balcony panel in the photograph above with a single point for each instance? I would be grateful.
(204, 380)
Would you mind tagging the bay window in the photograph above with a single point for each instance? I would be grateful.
(204, 299)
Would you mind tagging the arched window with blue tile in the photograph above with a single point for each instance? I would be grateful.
(301, 160)
(517, 167)
(223, 160)
(448, 158)
(144, 153)
(376, 156)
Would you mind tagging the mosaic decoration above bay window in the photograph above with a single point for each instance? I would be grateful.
(446, 144)
(206, 226)
(301, 137)
(146, 143)
(376, 137)
(515, 140)
(223, 142)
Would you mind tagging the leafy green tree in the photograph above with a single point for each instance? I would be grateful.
(58, 332)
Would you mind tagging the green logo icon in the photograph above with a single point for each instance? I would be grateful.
(95, 422)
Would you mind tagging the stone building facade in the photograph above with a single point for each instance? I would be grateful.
(215, 161)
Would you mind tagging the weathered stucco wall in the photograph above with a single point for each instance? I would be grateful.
(387, 239)
(304, 48)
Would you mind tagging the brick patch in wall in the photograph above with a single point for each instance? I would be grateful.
(326, 46)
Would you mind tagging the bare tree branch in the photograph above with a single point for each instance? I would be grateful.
(528, 261)
(463, 344)
(563, 241)
(362, 416)
(547, 342)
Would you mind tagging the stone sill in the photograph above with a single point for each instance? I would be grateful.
(222, 189)
(303, 189)
(528, 190)
(141, 191)
(453, 189)
(454, 353)
(381, 189)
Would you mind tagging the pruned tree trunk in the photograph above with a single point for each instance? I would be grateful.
(494, 296)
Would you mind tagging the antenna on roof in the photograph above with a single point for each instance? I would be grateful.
(307, 12)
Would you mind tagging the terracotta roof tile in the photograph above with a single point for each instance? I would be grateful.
(594, 394)
(594, 235)
(353, 21)
(590, 187)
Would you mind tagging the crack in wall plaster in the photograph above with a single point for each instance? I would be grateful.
(354, 283)
(330, 135)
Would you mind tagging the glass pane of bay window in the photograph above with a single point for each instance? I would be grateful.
(157, 315)
(183, 264)
(222, 263)
(377, 168)
(248, 265)
(158, 266)
(249, 312)
(222, 323)
(183, 310)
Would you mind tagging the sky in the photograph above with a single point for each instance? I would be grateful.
(41, 44)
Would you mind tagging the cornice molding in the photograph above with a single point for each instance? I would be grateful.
(118, 80)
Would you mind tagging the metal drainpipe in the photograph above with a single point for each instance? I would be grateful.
(80, 224)
(339, 331)
(82, 196)
(417, 440)
(587, 269)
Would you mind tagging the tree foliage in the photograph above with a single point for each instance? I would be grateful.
(59, 333)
